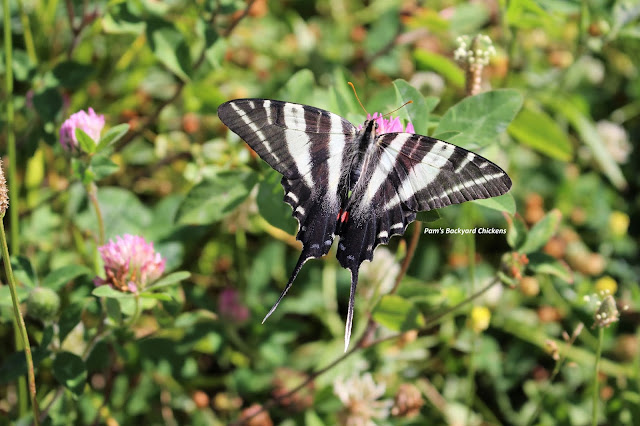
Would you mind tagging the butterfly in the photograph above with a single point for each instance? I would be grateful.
(355, 183)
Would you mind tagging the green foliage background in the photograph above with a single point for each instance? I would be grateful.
(212, 208)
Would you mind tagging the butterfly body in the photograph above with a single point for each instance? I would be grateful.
(357, 184)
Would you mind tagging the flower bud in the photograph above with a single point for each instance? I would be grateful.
(607, 313)
(43, 304)
(91, 123)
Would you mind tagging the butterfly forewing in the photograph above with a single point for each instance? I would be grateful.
(398, 174)
(308, 146)
(291, 138)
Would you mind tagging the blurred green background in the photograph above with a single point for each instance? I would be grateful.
(199, 354)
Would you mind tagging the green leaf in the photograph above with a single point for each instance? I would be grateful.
(117, 220)
(14, 365)
(502, 203)
(428, 216)
(112, 136)
(170, 279)
(417, 113)
(469, 17)
(113, 310)
(47, 336)
(70, 371)
(187, 320)
(71, 74)
(440, 64)
(156, 296)
(311, 418)
(214, 198)
(539, 131)
(110, 292)
(123, 18)
(516, 232)
(541, 232)
(448, 135)
(624, 12)
(215, 52)
(271, 205)
(299, 87)
(23, 271)
(383, 29)
(342, 100)
(59, 277)
(481, 118)
(102, 167)
(397, 314)
(5, 296)
(526, 14)
(169, 47)
(70, 316)
(87, 144)
(23, 67)
(214, 45)
(589, 135)
(542, 263)
(47, 103)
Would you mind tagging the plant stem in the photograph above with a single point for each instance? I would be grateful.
(136, 314)
(18, 318)
(13, 181)
(92, 191)
(241, 255)
(413, 244)
(596, 393)
(11, 138)
(28, 37)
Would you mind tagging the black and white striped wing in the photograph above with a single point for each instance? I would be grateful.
(307, 146)
(407, 173)
(403, 174)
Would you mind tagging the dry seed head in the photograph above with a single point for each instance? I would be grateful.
(4, 192)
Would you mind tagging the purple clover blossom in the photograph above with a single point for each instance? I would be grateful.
(130, 263)
(390, 125)
(91, 123)
(230, 307)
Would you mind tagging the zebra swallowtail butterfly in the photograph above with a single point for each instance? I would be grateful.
(363, 186)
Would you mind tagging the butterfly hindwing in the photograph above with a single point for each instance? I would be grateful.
(403, 174)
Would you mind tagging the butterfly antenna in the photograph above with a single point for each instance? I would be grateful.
(400, 107)
(355, 93)
(303, 258)
(352, 297)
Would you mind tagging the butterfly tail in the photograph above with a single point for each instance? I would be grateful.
(352, 297)
(301, 261)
